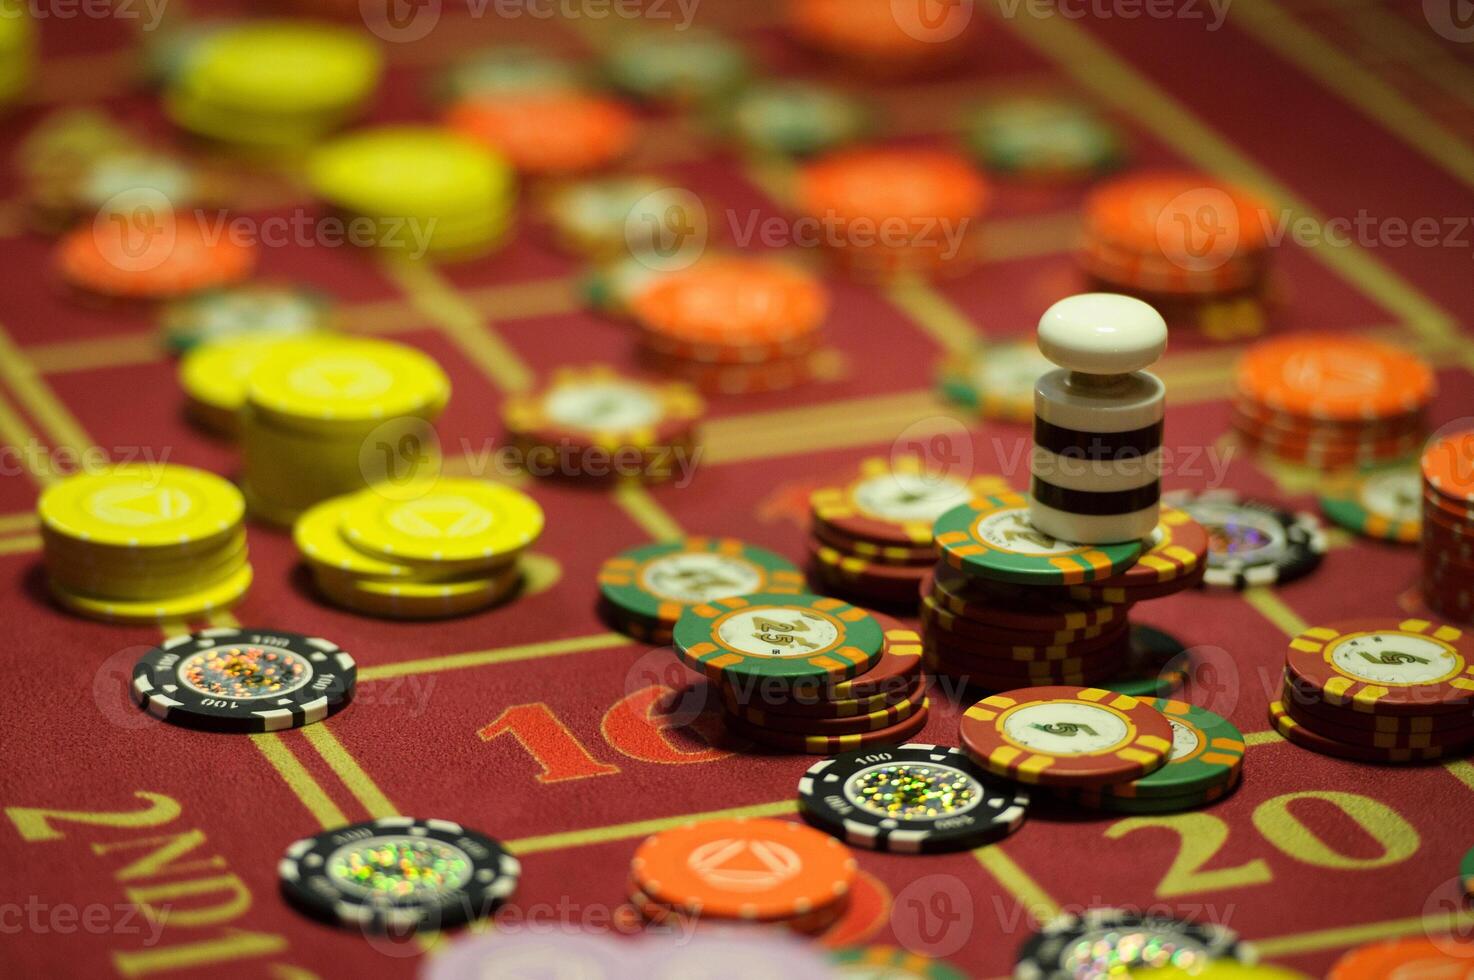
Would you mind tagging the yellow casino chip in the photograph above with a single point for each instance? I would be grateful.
(451, 521)
(214, 377)
(220, 595)
(410, 171)
(136, 505)
(293, 68)
(336, 382)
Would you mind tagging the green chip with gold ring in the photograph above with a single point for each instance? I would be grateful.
(657, 582)
(795, 118)
(1043, 138)
(1207, 753)
(791, 639)
(992, 538)
(1384, 502)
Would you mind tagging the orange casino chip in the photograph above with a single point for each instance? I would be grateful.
(1325, 376)
(1448, 467)
(558, 132)
(152, 255)
(734, 303)
(883, 30)
(1444, 957)
(1192, 219)
(757, 870)
(888, 184)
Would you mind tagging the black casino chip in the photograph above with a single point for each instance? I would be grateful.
(1105, 942)
(913, 799)
(244, 680)
(1252, 543)
(398, 874)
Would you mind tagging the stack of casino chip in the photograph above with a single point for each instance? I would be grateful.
(793, 118)
(1205, 764)
(870, 537)
(318, 412)
(1331, 402)
(805, 673)
(643, 591)
(1174, 238)
(251, 309)
(1008, 606)
(1414, 956)
(248, 681)
(398, 874)
(1251, 542)
(1447, 466)
(1379, 690)
(448, 548)
(417, 190)
(1042, 138)
(144, 543)
(890, 212)
(17, 50)
(1384, 503)
(272, 84)
(995, 380)
(548, 132)
(676, 68)
(1134, 944)
(144, 252)
(704, 871)
(733, 324)
(910, 799)
(885, 38)
(590, 422)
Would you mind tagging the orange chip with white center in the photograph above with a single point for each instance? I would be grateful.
(1326, 376)
(558, 132)
(755, 870)
(147, 253)
(734, 302)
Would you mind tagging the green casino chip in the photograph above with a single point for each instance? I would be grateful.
(505, 69)
(1379, 502)
(995, 380)
(1096, 800)
(1149, 670)
(795, 118)
(1043, 138)
(889, 962)
(253, 308)
(992, 538)
(1207, 754)
(686, 68)
(657, 582)
(1466, 873)
(794, 639)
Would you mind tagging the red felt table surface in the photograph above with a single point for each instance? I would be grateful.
(534, 724)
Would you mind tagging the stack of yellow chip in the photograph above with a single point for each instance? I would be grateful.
(418, 190)
(214, 377)
(144, 543)
(274, 83)
(330, 415)
(17, 49)
(437, 548)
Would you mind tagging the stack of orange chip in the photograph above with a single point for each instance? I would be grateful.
(890, 212)
(1330, 401)
(149, 254)
(734, 324)
(723, 871)
(563, 131)
(1175, 236)
(884, 35)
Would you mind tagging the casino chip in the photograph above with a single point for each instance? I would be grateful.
(995, 380)
(794, 118)
(724, 869)
(548, 132)
(1066, 737)
(890, 963)
(687, 68)
(452, 521)
(1466, 873)
(991, 538)
(1219, 970)
(914, 799)
(398, 873)
(1386, 666)
(1420, 957)
(1448, 525)
(1252, 543)
(1106, 942)
(1207, 756)
(240, 680)
(797, 639)
(1152, 668)
(1044, 138)
(214, 378)
(593, 217)
(155, 255)
(1176, 556)
(894, 501)
(502, 70)
(252, 309)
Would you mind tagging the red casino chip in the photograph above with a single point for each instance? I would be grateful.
(1386, 666)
